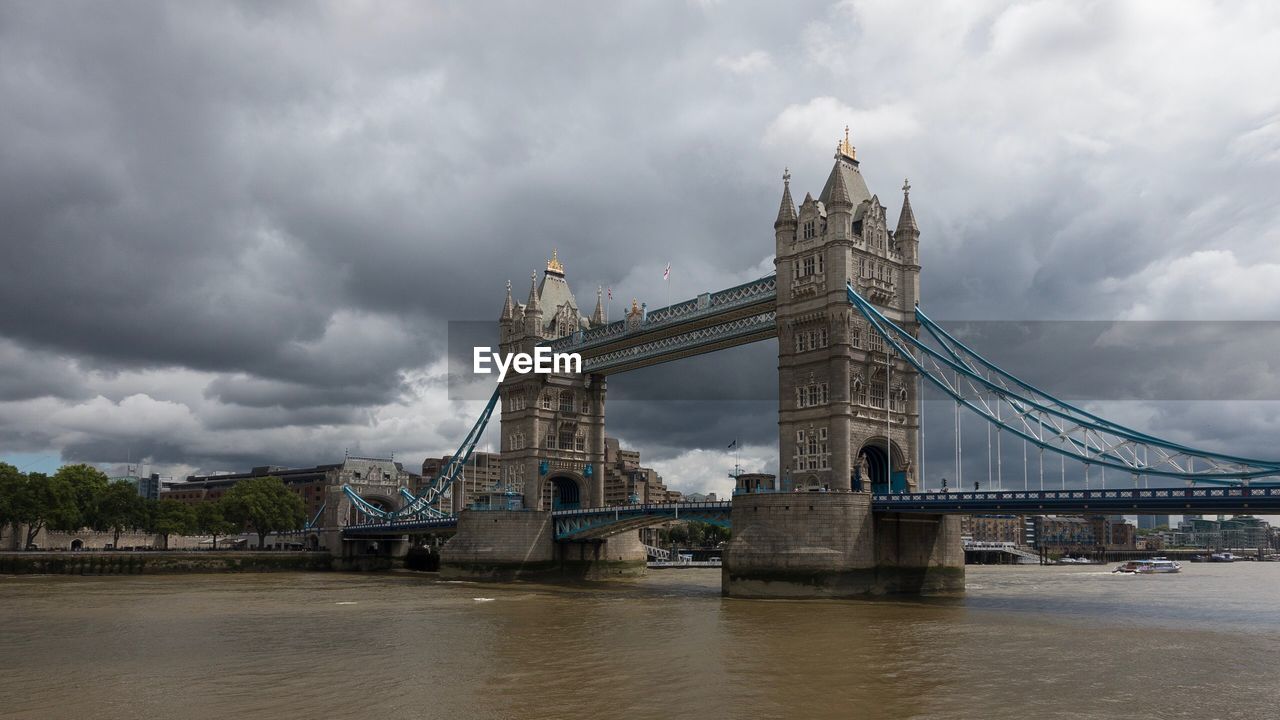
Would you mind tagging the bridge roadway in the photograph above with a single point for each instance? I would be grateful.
(586, 523)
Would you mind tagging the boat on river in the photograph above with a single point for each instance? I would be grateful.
(1154, 566)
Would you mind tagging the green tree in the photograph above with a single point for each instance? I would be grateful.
(118, 509)
(88, 484)
(211, 520)
(264, 505)
(42, 501)
(171, 517)
(11, 482)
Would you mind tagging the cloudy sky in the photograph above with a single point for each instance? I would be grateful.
(234, 233)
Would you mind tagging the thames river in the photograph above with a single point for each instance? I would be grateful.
(1024, 642)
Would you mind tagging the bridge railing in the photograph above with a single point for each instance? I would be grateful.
(701, 306)
(1076, 494)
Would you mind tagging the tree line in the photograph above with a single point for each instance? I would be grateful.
(79, 497)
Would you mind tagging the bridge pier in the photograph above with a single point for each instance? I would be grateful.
(507, 545)
(831, 545)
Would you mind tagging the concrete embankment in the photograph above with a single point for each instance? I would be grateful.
(161, 562)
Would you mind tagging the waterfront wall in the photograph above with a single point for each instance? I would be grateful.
(159, 563)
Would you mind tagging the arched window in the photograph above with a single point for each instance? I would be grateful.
(546, 400)
(566, 401)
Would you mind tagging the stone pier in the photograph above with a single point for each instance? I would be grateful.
(831, 545)
(502, 546)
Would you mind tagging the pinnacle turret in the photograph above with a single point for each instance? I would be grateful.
(597, 317)
(508, 307)
(907, 219)
(839, 197)
(787, 210)
(532, 306)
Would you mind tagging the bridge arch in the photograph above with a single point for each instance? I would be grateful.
(563, 490)
(378, 500)
(872, 465)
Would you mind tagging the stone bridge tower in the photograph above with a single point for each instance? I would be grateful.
(552, 425)
(847, 410)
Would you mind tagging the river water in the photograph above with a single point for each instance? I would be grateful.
(1024, 642)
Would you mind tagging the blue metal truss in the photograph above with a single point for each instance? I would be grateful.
(602, 522)
(420, 506)
(1017, 407)
(1130, 501)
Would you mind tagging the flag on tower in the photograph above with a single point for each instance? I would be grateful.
(666, 274)
(610, 293)
(733, 444)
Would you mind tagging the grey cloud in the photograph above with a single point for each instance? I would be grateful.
(296, 199)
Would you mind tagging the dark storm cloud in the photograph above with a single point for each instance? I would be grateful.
(279, 207)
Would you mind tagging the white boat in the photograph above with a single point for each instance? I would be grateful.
(1154, 566)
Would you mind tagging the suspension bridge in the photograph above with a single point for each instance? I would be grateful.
(855, 354)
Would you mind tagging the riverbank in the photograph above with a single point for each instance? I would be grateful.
(176, 562)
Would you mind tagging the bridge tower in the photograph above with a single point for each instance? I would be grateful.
(847, 411)
(552, 425)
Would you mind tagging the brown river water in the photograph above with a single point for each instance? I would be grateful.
(1024, 642)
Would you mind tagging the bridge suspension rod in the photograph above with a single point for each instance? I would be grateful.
(985, 389)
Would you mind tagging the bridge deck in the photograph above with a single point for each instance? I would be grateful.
(599, 522)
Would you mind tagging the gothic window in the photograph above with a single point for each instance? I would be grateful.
(566, 401)
(875, 341)
(875, 392)
(855, 334)
(820, 270)
(809, 231)
(580, 443)
(811, 451)
(566, 439)
(795, 269)
(799, 342)
(550, 441)
(855, 388)
(546, 400)
(808, 266)
(809, 337)
(822, 337)
(586, 406)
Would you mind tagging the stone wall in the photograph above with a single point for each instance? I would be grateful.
(832, 545)
(499, 545)
(153, 563)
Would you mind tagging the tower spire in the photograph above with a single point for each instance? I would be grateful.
(839, 197)
(508, 307)
(846, 148)
(907, 219)
(597, 317)
(787, 210)
(532, 305)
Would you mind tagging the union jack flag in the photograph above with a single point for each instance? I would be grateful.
(666, 274)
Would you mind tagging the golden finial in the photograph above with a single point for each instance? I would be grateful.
(554, 265)
(906, 186)
(847, 149)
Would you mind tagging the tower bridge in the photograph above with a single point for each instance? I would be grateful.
(854, 353)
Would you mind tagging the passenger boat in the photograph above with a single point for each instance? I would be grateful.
(1222, 557)
(1149, 567)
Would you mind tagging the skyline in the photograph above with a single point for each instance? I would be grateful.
(247, 254)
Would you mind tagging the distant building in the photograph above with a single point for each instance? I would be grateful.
(997, 528)
(626, 481)
(1151, 522)
(1063, 531)
(148, 487)
(700, 497)
(319, 486)
(480, 476)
